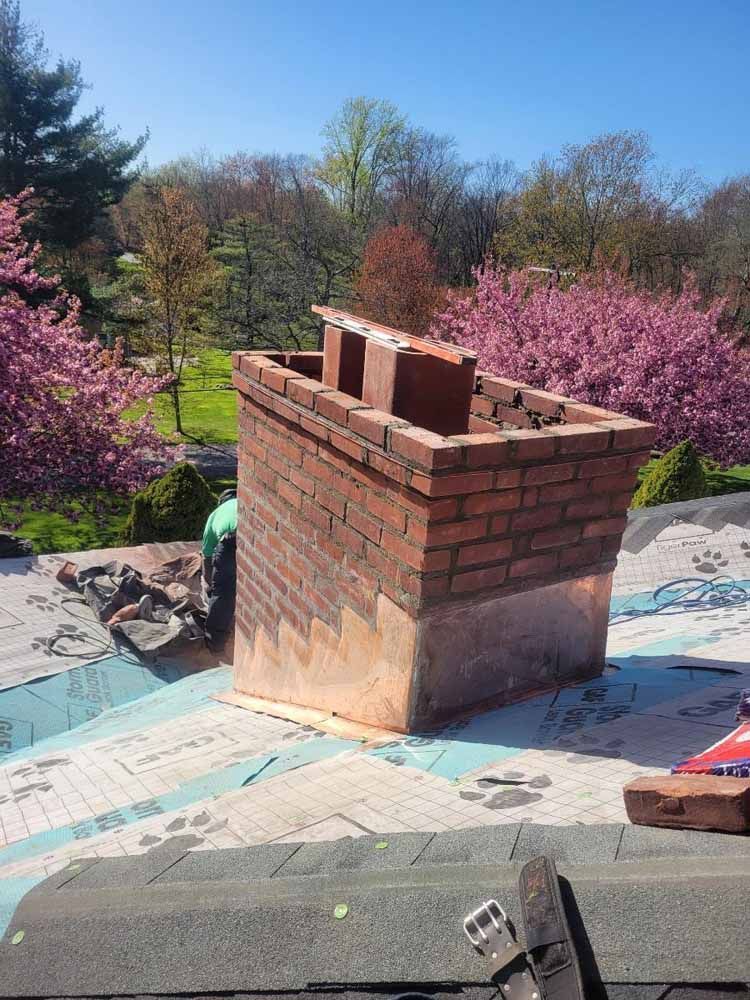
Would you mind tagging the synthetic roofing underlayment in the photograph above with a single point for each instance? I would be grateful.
(103, 756)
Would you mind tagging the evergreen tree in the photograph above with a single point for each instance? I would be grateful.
(76, 168)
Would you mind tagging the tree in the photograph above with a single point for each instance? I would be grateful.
(678, 475)
(361, 144)
(171, 509)
(397, 284)
(724, 222)
(63, 433)
(178, 271)
(657, 357)
(75, 167)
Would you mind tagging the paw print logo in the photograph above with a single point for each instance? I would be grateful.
(709, 562)
(40, 602)
(588, 747)
(39, 645)
(507, 792)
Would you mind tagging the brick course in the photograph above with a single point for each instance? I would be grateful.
(340, 501)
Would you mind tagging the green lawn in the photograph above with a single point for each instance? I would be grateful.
(208, 413)
(720, 482)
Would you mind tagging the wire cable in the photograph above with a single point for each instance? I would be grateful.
(692, 594)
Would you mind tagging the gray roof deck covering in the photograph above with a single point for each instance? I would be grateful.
(655, 909)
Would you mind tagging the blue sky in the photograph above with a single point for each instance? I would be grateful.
(515, 79)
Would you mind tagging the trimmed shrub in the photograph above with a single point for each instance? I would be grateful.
(678, 475)
(171, 509)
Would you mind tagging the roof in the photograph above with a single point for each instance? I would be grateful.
(111, 758)
(262, 919)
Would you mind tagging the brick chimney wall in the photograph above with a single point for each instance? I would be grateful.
(398, 577)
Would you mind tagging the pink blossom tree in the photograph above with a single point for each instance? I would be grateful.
(63, 436)
(661, 358)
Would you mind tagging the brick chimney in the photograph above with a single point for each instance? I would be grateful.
(449, 548)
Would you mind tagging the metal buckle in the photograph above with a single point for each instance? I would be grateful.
(488, 931)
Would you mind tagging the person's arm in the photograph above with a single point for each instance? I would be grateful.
(210, 541)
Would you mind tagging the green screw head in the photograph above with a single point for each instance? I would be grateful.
(381, 845)
(339, 913)
(18, 937)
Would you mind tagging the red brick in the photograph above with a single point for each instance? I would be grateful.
(638, 460)
(547, 403)
(631, 433)
(373, 424)
(611, 545)
(511, 415)
(290, 451)
(392, 470)
(609, 526)
(305, 391)
(482, 406)
(566, 534)
(499, 524)
(278, 465)
(318, 470)
(253, 448)
(534, 565)
(266, 515)
(501, 388)
(590, 507)
(577, 439)
(620, 502)
(435, 586)
(447, 534)
(530, 496)
(603, 466)
(614, 484)
(431, 510)
(393, 516)
(330, 500)
(312, 512)
(336, 406)
(364, 524)
(290, 493)
(252, 365)
(382, 563)
(350, 539)
(690, 801)
(432, 451)
(352, 448)
(580, 555)
(563, 491)
(314, 427)
(259, 395)
(540, 474)
(483, 449)
(477, 425)
(415, 556)
(277, 378)
(275, 580)
(479, 579)
(536, 445)
(581, 413)
(468, 555)
(542, 517)
(443, 486)
(303, 482)
(507, 479)
(483, 503)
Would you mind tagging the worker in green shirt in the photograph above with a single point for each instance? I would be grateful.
(220, 569)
